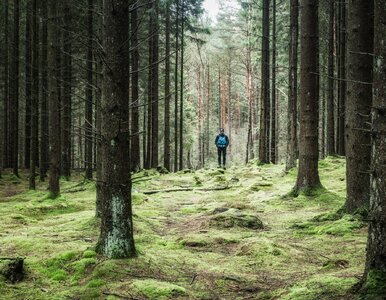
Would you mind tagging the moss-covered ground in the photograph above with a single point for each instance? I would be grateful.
(196, 244)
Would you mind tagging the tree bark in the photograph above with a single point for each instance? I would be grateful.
(181, 129)
(4, 154)
(44, 143)
(265, 107)
(89, 93)
(54, 102)
(35, 96)
(375, 271)
(167, 92)
(358, 105)
(28, 84)
(176, 87)
(342, 49)
(66, 99)
(116, 232)
(273, 94)
(135, 144)
(98, 110)
(330, 99)
(308, 176)
(154, 87)
(14, 92)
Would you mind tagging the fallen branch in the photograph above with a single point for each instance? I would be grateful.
(221, 188)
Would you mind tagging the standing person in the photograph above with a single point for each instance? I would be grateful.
(222, 143)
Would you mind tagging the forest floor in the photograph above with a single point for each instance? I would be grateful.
(200, 244)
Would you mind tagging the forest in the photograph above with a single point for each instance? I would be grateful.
(117, 117)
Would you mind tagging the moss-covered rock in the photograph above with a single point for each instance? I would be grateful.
(236, 218)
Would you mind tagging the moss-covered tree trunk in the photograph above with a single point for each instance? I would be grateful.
(358, 103)
(375, 272)
(308, 175)
(116, 232)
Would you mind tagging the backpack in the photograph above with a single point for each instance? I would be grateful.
(222, 141)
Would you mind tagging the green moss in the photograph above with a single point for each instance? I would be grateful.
(340, 227)
(321, 288)
(80, 266)
(236, 218)
(96, 283)
(67, 256)
(330, 216)
(58, 275)
(105, 269)
(89, 254)
(158, 290)
(138, 198)
(374, 287)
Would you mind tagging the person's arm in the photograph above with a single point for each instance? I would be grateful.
(227, 141)
(216, 140)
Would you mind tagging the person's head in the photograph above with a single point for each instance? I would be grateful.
(222, 131)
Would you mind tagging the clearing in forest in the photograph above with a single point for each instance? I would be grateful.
(230, 234)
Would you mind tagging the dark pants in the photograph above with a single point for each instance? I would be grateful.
(222, 152)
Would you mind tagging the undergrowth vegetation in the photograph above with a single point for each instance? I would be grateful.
(250, 240)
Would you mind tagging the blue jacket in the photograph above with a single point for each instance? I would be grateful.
(226, 138)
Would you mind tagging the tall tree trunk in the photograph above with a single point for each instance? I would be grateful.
(167, 92)
(98, 110)
(292, 129)
(273, 94)
(176, 87)
(35, 96)
(54, 102)
(265, 115)
(375, 271)
(358, 105)
(330, 99)
(135, 144)
(308, 176)
(14, 92)
(200, 154)
(155, 88)
(44, 144)
(4, 155)
(208, 111)
(66, 99)
(181, 158)
(89, 93)
(342, 47)
(147, 162)
(28, 84)
(116, 232)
